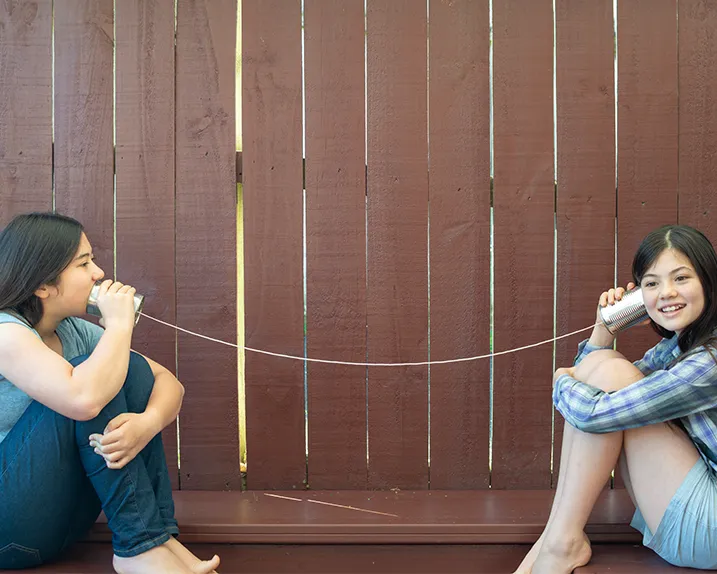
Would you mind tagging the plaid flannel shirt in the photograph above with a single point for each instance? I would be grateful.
(686, 391)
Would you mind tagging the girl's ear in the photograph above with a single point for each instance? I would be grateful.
(43, 292)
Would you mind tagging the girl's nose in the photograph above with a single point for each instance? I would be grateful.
(98, 274)
(668, 291)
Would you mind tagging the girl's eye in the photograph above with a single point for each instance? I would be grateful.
(680, 278)
(650, 284)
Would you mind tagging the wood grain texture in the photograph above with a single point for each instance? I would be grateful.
(357, 559)
(336, 242)
(272, 161)
(145, 177)
(84, 154)
(206, 242)
(698, 115)
(585, 209)
(397, 287)
(523, 242)
(459, 192)
(647, 137)
(25, 107)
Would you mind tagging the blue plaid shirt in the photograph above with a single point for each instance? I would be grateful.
(686, 391)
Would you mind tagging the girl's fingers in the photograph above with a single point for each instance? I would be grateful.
(109, 449)
(114, 457)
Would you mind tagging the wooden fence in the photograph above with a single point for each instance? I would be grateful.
(386, 123)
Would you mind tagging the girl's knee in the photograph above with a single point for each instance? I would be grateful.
(613, 374)
(139, 382)
(589, 364)
(138, 366)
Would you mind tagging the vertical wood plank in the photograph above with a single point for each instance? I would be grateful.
(647, 137)
(84, 155)
(336, 241)
(145, 177)
(397, 243)
(206, 242)
(459, 191)
(523, 241)
(25, 107)
(586, 171)
(698, 115)
(272, 163)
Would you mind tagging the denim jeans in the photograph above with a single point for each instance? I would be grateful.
(53, 485)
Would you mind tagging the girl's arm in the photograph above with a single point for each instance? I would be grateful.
(78, 392)
(687, 388)
(166, 398)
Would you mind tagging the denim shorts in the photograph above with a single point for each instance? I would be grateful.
(687, 534)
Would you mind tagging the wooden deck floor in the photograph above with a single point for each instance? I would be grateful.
(482, 532)
(96, 558)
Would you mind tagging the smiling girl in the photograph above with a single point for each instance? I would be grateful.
(80, 414)
(656, 418)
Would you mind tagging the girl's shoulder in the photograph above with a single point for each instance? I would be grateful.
(7, 316)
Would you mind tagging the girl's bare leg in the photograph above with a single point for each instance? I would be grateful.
(592, 459)
(584, 370)
(527, 564)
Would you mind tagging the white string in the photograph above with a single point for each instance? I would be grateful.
(442, 362)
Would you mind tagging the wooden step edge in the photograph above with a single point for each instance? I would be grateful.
(372, 534)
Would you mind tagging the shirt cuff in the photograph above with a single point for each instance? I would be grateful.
(585, 348)
(562, 384)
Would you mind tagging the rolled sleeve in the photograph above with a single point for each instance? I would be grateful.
(585, 348)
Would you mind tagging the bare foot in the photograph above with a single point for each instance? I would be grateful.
(563, 557)
(157, 559)
(527, 564)
(189, 559)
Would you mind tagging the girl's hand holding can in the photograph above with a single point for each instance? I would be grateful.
(601, 337)
(116, 302)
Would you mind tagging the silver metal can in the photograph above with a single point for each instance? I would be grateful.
(93, 309)
(625, 313)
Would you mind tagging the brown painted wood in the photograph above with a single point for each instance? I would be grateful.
(84, 155)
(413, 517)
(273, 274)
(647, 137)
(459, 192)
(397, 286)
(25, 108)
(206, 242)
(336, 241)
(145, 177)
(92, 558)
(698, 115)
(523, 241)
(585, 209)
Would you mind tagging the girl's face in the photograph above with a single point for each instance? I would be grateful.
(69, 296)
(672, 291)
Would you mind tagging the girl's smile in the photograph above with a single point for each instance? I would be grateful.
(672, 291)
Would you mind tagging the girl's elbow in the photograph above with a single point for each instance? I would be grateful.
(85, 409)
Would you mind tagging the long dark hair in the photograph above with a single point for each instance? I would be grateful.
(698, 249)
(34, 249)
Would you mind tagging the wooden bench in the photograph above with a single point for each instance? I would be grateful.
(430, 531)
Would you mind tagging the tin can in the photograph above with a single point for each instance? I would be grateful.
(625, 313)
(93, 309)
